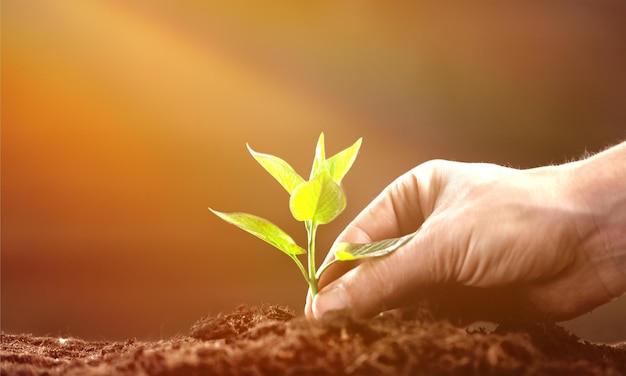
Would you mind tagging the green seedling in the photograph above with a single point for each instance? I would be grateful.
(315, 202)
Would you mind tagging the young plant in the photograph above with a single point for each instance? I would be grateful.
(315, 202)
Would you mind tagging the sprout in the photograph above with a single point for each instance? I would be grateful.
(315, 202)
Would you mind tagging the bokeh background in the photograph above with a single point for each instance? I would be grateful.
(122, 121)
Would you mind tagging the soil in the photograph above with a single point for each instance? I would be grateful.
(271, 340)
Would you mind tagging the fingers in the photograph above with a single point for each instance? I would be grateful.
(373, 286)
(395, 212)
(434, 257)
(387, 282)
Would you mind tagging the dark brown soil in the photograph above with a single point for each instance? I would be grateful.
(270, 340)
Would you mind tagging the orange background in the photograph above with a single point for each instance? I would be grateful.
(122, 121)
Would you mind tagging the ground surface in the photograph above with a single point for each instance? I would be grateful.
(270, 340)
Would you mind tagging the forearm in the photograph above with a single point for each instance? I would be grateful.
(600, 188)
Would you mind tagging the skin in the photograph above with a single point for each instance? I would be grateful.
(495, 242)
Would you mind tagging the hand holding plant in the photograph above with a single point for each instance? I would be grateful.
(315, 202)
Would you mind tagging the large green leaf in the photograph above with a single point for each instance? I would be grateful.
(262, 229)
(319, 200)
(279, 169)
(351, 251)
(320, 157)
(339, 164)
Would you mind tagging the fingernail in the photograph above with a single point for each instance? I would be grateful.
(330, 299)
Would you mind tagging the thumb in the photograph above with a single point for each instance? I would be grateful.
(387, 282)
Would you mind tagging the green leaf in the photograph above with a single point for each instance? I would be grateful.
(279, 169)
(352, 251)
(319, 200)
(320, 157)
(339, 164)
(262, 229)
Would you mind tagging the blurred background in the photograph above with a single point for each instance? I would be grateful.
(122, 121)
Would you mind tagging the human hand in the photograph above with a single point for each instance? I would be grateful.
(548, 239)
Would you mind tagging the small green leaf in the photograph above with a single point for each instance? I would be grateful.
(319, 200)
(339, 164)
(351, 251)
(320, 157)
(262, 229)
(279, 169)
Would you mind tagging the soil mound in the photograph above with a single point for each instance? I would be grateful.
(271, 340)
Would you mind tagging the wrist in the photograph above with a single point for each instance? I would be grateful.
(598, 189)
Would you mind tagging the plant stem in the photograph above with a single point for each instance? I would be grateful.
(324, 267)
(311, 229)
